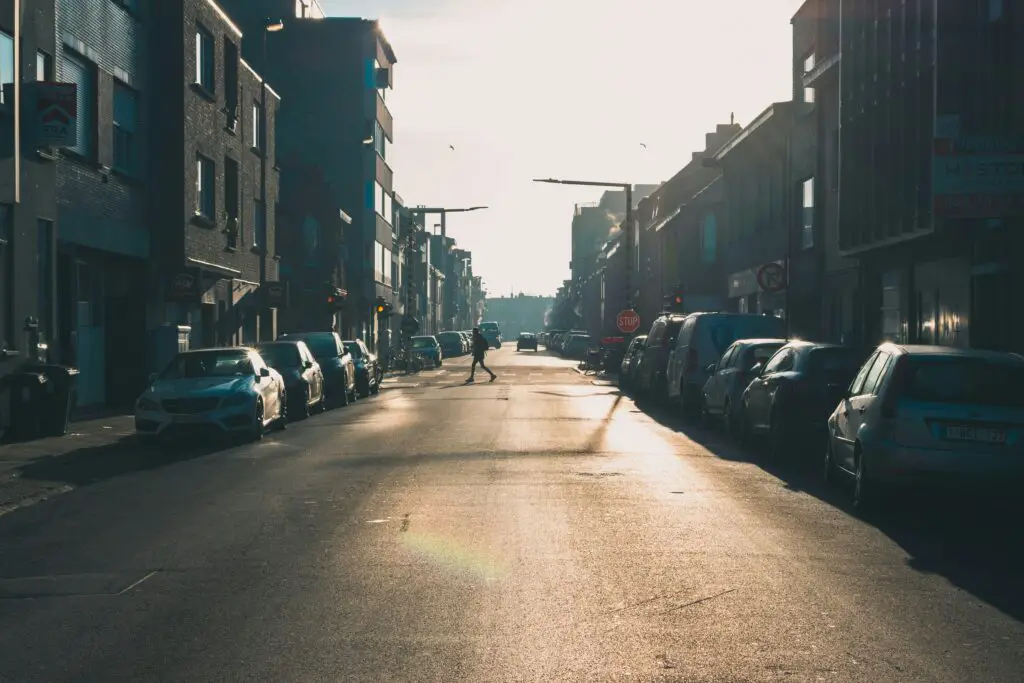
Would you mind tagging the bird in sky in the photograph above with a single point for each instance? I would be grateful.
(643, 145)
(451, 147)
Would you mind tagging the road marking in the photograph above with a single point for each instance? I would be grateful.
(137, 583)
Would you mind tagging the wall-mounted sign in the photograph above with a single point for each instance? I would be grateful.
(771, 277)
(184, 286)
(976, 177)
(275, 294)
(57, 114)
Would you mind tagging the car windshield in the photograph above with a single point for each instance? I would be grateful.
(353, 348)
(423, 342)
(280, 355)
(761, 354)
(197, 364)
(526, 335)
(968, 381)
(323, 346)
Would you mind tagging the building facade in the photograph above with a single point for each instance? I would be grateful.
(28, 209)
(343, 66)
(103, 185)
(214, 220)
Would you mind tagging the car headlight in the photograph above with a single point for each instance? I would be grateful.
(235, 400)
(147, 403)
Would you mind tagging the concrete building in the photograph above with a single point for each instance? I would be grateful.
(667, 220)
(338, 70)
(816, 59)
(516, 314)
(214, 161)
(103, 185)
(28, 212)
(936, 235)
(765, 171)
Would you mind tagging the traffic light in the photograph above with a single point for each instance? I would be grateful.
(382, 307)
(674, 301)
(334, 297)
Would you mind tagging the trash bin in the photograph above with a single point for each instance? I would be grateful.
(27, 394)
(62, 381)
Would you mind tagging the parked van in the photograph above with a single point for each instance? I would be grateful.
(702, 340)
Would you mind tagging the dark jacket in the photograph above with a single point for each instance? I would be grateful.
(479, 345)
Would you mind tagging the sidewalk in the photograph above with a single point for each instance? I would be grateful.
(93, 449)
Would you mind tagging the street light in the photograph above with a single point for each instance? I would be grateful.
(630, 256)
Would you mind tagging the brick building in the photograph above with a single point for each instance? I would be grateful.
(214, 161)
(102, 191)
(341, 69)
(27, 180)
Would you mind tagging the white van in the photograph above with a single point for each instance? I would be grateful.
(702, 340)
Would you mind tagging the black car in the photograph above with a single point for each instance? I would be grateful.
(526, 340)
(335, 361)
(369, 372)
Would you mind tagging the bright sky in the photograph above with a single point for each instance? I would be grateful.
(562, 88)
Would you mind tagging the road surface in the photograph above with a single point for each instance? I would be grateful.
(539, 528)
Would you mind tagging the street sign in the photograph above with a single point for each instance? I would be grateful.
(628, 321)
(57, 114)
(771, 277)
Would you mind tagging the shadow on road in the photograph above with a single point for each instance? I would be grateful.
(89, 465)
(975, 540)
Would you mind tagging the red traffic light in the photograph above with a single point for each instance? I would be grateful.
(330, 299)
(678, 299)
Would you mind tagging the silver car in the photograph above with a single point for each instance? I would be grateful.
(219, 391)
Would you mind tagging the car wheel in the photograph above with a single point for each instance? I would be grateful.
(868, 493)
(281, 423)
(831, 473)
(303, 410)
(343, 392)
(257, 426)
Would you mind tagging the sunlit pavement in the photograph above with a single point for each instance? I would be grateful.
(537, 528)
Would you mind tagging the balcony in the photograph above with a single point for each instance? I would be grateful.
(385, 118)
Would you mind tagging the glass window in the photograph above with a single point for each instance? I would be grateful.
(708, 238)
(808, 66)
(44, 66)
(259, 224)
(807, 235)
(379, 141)
(378, 260)
(204, 58)
(204, 187)
(6, 67)
(858, 381)
(258, 126)
(964, 381)
(385, 266)
(780, 362)
(728, 358)
(78, 71)
(125, 117)
(226, 363)
(877, 374)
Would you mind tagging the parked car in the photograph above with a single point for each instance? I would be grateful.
(303, 378)
(652, 371)
(452, 344)
(428, 349)
(916, 413)
(335, 362)
(791, 396)
(723, 392)
(702, 340)
(630, 361)
(526, 340)
(226, 391)
(369, 372)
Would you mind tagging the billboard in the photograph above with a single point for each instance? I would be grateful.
(56, 114)
(977, 177)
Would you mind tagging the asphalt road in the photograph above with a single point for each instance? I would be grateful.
(538, 528)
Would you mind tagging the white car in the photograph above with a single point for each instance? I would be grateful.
(227, 391)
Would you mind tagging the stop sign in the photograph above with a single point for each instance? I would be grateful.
(628, 321)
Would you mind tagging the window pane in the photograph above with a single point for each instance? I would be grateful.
(42, 66)
(80, 73)
(6, 62)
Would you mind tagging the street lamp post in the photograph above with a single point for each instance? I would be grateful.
(269, 26)
(629, 237)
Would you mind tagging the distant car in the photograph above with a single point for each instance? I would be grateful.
(230, 391)
(452, 344)
(369, 373)
(527, 340)
(428, 349)
(492, 333)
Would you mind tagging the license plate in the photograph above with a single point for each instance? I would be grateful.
(979, 435)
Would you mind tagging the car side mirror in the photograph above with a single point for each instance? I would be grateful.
(756, 370)
(152, 377)
(264, 372)
(711, 367)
